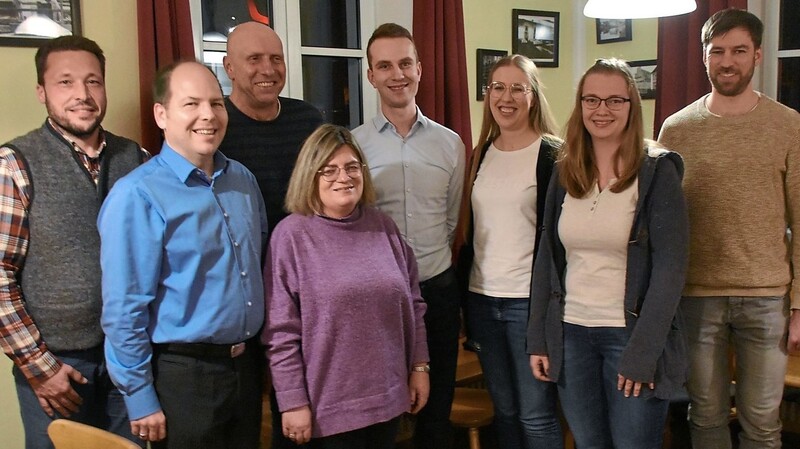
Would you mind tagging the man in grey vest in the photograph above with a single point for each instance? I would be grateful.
(52, 183)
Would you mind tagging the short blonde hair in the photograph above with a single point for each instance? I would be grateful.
(303, 194)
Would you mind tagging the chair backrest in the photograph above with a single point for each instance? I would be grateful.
(792, 378)
(68, 434)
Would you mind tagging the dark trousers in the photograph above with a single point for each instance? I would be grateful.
(376, 436)
(442, 323)
(210, 402)
(102, 406)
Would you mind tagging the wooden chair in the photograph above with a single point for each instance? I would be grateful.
(472, 409)
(792, 378)
(68, 434)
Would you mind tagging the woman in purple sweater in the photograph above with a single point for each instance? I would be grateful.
(345, 336)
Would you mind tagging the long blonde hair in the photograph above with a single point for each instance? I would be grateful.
(540, 119)
(577, 167)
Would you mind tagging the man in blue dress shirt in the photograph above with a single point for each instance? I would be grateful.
(182, 238)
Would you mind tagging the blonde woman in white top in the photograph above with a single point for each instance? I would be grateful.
(503, 199)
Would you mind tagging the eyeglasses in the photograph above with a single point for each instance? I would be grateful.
(518, 91)
(612, 103)
(331, 173)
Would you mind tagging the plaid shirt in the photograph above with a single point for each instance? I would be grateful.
(19, 336)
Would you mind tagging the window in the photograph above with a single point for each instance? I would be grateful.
(779, 77)
(326, 57)
(324, 42)
(217, 19)
(789, 54)
(330, 45)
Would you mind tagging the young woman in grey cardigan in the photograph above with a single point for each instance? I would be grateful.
(610, 269)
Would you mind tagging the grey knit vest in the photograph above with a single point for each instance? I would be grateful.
(61, 276)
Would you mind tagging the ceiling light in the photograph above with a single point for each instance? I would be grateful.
(637, 9)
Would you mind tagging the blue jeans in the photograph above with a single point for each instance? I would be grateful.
(524, 408)
(598, 414)
(102, 406)
(756, 327)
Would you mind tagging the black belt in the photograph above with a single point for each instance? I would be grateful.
(230, 351)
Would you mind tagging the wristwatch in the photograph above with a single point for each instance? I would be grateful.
(422, 368)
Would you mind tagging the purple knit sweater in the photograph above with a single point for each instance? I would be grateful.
(344, 319)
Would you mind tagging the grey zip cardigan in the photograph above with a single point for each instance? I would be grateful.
(656, 271)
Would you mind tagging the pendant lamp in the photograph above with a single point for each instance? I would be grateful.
(637, 9)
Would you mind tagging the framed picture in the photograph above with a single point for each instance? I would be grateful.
(614, 30)
(645, 73)
(26, 23)
(486, 59)
(535, 35)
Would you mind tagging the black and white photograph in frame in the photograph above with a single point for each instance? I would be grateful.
(27, 23)
(535, 35)
(486, 59)
(645, 73)
(614, 30)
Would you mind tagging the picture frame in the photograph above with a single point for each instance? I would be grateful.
(645, 74)
(535, 35)
(614, 30)
(28, 23)
(485, 60)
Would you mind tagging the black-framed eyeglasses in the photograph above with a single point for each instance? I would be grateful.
(612, 103)
(518, 91)
(331, 173)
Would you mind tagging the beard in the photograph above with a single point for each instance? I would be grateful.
(76, 128)
(731, 89)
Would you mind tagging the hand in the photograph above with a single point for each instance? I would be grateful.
(56, 394)
(793, 342)
(627, 386)
(419, 385)
(297, 424)
(540, 366)
(152, 427)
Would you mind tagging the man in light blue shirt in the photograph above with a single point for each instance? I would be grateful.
(417, 167)
(182, 238)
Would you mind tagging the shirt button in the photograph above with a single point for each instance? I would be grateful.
(247, 333)
(244, 273)
(236, 244)
(408, 190)
(406, 164)
(225, 214)
(249, 303)
(409, 215)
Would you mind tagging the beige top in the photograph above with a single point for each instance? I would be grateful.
(504, 214)
(594, 231)
(742, 185)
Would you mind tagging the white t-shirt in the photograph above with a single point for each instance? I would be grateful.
(504, 217)
(595, 231)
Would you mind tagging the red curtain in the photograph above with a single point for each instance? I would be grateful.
(681, 73)
(439, 36)
(165, 35)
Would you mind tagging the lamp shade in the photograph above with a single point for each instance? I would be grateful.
(637, 9)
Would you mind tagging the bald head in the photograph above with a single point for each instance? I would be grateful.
(257, 70)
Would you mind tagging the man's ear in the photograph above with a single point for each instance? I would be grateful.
(41, 94)
(228, 67)
(160, 114)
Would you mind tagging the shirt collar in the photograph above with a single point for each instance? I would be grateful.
(74, 144)
(382, 123)
(183, 168)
